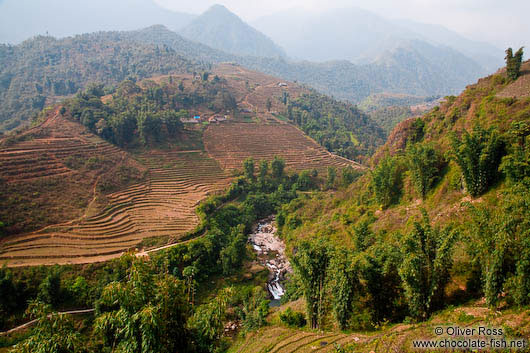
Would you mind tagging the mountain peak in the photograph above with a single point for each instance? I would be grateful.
(221, 29)
(218, 8)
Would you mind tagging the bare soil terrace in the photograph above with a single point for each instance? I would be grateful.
(231, 143)
(80, 199)
(164, 205)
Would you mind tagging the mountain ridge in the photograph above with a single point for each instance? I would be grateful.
(221, 29)
(378, 35)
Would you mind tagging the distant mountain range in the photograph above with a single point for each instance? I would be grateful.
(389, 58)
(361, 36)
(415, 68)
(221, 29)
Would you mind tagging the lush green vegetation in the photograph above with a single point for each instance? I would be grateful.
(147, 115)
(513, 63)
(44, 69)
(157, 304)
(389, 117)
(38, 71)
(390, 252)
(340, 127)
(478, 154)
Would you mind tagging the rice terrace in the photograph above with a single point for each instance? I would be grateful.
(174, 181)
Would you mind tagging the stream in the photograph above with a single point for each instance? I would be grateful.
(271, 254)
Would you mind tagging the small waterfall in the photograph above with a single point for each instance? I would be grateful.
(271, 254)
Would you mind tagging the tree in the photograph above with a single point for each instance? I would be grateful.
(145, 313)
(50, 288)
(500, 245)
(425, 266)
(8, 294)
(207, 323)
(386, 181)
(424, 165)
(516, 165)
(53, 333)
(332, 175)
(254, 310)
(248, 168)
(478, 154)
(513, 63)
(349, 175)
(304, 181)
(269, 104)
(311, 263)
(344, 284)
(172, 121)
(277, 166)
(263, 171)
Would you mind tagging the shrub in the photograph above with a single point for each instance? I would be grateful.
(478, 154)
(293, 318)
(424, 165)
(386, 181)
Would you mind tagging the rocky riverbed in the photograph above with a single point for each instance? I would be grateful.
(271, 254)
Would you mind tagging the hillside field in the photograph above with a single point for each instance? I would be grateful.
(78, 198)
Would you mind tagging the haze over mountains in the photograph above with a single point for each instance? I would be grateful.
(354, 53)
(221, 29)
(361, 36)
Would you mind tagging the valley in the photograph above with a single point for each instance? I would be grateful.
(198, 188)
(160, 206)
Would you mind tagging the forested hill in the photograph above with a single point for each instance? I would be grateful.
(44, 69)
(414, 70)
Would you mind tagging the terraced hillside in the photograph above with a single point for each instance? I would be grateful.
(54, 171)
(231, 143)
(284, 340)
(162, 206)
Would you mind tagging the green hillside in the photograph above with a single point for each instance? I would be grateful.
(43, 70)
(440, 220)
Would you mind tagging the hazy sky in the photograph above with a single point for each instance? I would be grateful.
(499, 22)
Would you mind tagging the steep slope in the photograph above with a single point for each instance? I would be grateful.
(221, 29)
(58, 171)
(23, 19)
(113, 207)
(375, 262)
(345, 34)
(427, 68)
(487, 55)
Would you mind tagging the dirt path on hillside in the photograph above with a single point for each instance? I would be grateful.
(32, 322)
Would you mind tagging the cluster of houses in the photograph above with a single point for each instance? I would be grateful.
(217, 118)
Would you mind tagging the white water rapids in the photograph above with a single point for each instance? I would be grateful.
(271, 253)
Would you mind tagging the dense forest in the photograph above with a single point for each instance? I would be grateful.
(340, 127)
(44, 69)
